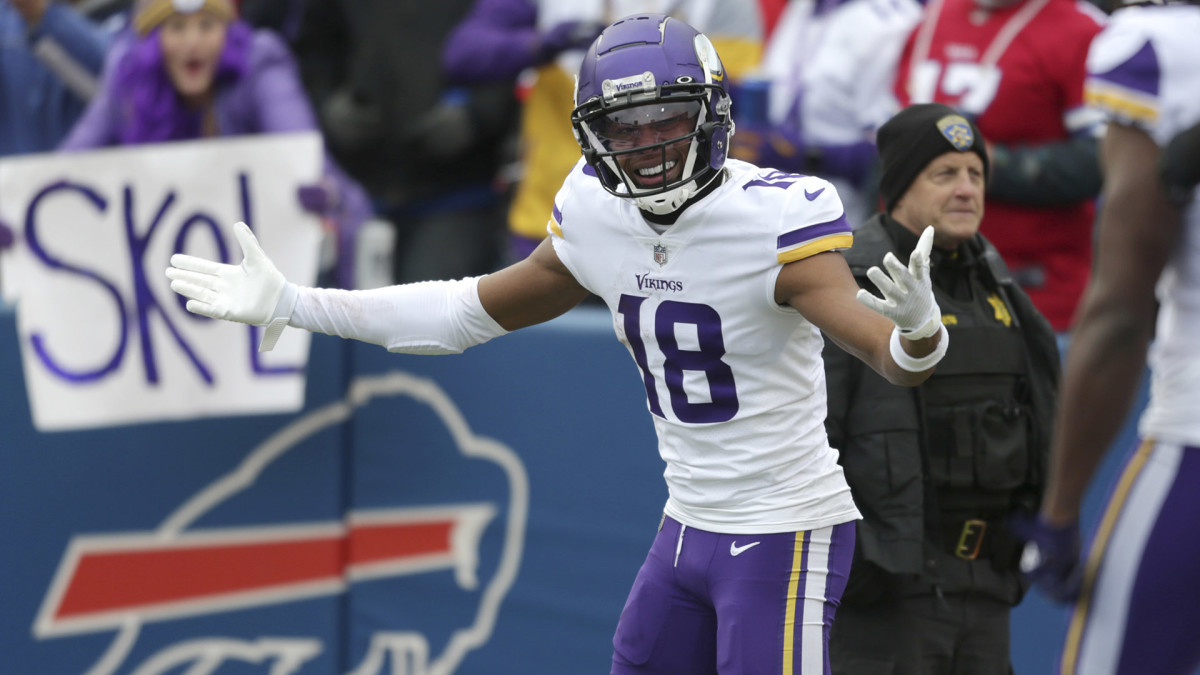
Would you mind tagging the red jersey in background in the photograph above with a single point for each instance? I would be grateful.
(1018, 71)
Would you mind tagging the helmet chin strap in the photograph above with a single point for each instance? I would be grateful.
(667, 202)
(670, 206)
(670, 201)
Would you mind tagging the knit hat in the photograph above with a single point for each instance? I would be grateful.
(916, 136)
(150, 14)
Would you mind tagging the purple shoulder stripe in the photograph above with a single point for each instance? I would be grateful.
(810, 232)
(1139, 72)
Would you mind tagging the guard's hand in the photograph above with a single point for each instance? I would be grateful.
(1051, 557)
(908, 294)
(254, 292)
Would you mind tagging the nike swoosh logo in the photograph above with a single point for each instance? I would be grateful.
(736, 550)
(813, 195)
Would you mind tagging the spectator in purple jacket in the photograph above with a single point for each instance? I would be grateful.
(192, 69)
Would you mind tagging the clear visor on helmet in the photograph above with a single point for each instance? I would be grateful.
(646, 125)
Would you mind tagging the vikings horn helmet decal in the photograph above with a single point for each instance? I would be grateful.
(652, 113)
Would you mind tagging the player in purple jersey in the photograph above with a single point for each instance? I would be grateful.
(720, 276)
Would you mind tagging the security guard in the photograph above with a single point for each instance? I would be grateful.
(938, 470)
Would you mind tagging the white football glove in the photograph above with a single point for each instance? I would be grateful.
(908, 294)
(254, 292)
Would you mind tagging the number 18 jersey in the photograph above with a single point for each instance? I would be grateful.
(734, 381)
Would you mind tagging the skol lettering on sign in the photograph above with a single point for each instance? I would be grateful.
(104, 341)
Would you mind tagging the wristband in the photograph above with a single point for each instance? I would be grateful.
(917, 365)
(279, 318)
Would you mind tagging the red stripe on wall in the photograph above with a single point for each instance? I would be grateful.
(113, 580)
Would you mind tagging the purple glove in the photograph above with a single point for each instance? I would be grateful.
(564, 36)
(1051, 558)
(6, 236)
(316, 198)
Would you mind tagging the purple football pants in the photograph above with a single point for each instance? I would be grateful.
(734, 604)
(1140, 607)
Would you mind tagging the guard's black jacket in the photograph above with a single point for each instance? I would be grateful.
(928, 464)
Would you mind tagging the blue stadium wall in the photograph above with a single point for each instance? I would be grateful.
(525, 472)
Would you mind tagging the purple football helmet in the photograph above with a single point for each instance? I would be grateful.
(651, 111)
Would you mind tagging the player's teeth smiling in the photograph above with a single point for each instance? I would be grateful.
(657, 169)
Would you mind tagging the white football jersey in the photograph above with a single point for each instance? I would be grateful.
(733, 380)
(1144, 69)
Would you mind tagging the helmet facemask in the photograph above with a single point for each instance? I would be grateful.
(655, 136)
(649, 148)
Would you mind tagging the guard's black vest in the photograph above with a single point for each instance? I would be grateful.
(977, 405)
(987, 409)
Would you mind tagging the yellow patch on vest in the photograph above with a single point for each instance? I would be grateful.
(1002, 314)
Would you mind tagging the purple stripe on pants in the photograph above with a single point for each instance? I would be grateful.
(706, 603)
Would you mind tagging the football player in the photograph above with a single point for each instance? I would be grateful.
(720, 277)
(1135, 595)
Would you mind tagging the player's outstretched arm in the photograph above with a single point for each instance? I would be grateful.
(430, 317)
(531, 291)
(1138, 230)
(899, 335)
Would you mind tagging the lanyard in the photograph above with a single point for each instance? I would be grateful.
(1015, 24)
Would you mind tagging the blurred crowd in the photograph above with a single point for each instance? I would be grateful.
(446, 124)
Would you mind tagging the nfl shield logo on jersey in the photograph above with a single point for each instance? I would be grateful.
(660, 254)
